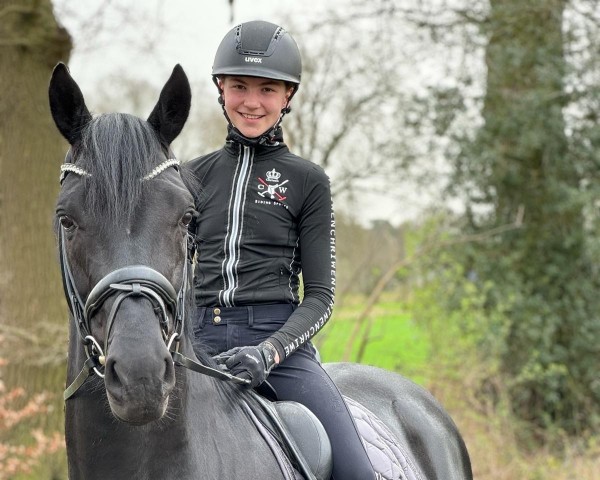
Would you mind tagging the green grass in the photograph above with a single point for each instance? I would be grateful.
(394, 341)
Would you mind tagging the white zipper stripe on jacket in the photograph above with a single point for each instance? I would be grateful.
(228, 234)
(236, 214)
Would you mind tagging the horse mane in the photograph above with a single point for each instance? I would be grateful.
(117, 150)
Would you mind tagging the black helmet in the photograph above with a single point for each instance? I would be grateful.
(259, 49)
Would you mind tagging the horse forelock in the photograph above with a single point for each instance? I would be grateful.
(117, 150)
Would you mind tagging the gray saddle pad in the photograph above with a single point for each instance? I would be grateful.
(389, 459)
(387, 456)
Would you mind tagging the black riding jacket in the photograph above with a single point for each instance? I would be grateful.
(265, 216)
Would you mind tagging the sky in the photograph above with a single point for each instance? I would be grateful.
(107, 34)
(144, 40)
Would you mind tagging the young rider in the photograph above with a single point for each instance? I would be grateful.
(265, 217)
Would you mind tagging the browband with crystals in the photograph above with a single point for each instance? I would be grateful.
(71, 167)
(171, 162)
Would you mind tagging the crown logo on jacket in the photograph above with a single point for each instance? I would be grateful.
(273, 175)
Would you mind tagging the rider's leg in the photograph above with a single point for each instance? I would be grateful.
(302, 379)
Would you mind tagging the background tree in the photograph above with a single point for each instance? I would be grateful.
(523, 158)
(32, 314)
(533, 154)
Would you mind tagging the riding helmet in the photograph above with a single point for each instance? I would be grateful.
(259, 49)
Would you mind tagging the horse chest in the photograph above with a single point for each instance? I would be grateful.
(210, 444)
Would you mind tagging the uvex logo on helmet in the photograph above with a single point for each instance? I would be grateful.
(253, 59)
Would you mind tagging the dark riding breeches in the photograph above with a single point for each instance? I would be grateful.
(299, 378)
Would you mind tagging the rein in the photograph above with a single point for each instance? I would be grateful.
(130, 281)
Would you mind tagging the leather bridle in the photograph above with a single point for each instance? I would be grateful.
(125, 282)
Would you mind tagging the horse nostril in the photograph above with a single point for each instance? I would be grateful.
(111, 372)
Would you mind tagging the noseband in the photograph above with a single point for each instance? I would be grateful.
(130, 281)
(139, 280)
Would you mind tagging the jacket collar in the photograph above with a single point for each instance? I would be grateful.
(271, 138)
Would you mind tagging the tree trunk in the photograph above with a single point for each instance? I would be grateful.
(32, 310)
(541, 268)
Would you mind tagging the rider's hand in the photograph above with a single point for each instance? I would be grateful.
(252, 363)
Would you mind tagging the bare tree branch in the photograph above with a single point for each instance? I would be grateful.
(365, 319)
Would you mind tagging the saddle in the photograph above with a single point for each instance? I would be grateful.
(303, 450)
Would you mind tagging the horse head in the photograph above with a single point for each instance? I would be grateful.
(122, 219)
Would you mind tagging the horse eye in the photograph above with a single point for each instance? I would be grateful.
(187, 218)
(67, 222)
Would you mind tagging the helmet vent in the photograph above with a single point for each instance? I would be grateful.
(258, 40)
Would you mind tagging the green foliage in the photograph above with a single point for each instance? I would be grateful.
(540, 280)
(449, 307)
(394, 341)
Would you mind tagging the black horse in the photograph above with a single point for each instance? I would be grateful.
(122, 221)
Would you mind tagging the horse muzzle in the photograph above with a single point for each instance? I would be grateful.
(139, 373)
(139, 380)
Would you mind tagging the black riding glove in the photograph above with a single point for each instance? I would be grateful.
(252, 363)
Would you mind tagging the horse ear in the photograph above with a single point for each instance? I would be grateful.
(173, 107)
(67, 104)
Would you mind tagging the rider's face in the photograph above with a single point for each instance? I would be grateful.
(254, 104)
